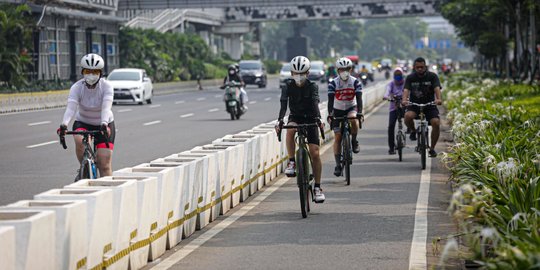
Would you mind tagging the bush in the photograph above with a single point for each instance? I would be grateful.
(272, 66)
(214, 72)
(495, 164)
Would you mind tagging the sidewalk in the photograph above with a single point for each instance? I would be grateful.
(55, 99)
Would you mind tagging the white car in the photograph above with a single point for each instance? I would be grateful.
(131, 85)
(284, 74)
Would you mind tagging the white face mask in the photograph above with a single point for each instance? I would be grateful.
(231, 72)
(299, 79)
(344, 75)
(91, 79)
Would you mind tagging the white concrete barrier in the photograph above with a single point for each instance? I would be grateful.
(125, 219)
(256, 171)
(7, 247)
(234, 159)
(34, 238)
(98, 223)
(268, 153)
(147, 218)
(208, 210)
(223, 186)
(165, 208)
(274, 148)
(70, 229)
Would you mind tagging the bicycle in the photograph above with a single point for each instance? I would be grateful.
(346, 145)
(304, 177)
(400, 135)
(422, 131)
(88, 169)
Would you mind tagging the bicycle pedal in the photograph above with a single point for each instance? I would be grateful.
(291, 175)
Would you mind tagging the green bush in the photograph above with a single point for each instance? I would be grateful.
(495, 164)
(272, 66)
(214, 72)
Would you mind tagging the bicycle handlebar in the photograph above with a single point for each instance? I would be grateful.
(422, 105)
(83, 133)
(301, 126)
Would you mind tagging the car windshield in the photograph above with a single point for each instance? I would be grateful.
(250, 65)
(316, 67)
(124, 76)
(286, 68)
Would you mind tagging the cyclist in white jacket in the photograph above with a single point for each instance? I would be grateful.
(90, 101)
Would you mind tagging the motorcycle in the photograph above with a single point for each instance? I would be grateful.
(364, 78)
(232, 99)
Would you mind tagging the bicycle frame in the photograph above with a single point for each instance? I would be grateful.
(88, 169)
(400, 135)
(422, 132)
(346, 145)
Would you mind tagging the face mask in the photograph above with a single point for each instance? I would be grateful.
(299, 79)
(344, 75)
(231, 72)
(398, 77)
(91, 79)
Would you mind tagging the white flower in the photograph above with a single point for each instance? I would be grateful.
(513, 224)
(482, 100)
(489, 161)
(450, 250)
(507, 170)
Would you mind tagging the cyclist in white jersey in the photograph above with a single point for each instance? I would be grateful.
(344, 99)
(90, 101)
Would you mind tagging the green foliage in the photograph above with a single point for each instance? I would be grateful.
(165, 56)
(272, 66)
(496, 164)
(15, 37)
(213, 71)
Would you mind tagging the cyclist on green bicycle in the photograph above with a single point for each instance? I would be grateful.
(303, 98)
(344, 99)
(424, 87)
(91, 100)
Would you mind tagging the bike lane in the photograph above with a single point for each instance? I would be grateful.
(367, 225)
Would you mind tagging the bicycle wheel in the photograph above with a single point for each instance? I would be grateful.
(422, 148)
(347, 157)
(302, 180)
(85, 171)
(400, 144)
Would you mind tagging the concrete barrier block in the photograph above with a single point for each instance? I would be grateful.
(274, 149)
(34, 238)
(99, 219)
(233, 172)
(246, 165)
(7, 247)
(256, 172)
(165, 187)
(267, 151)
(124, 216)
(207, 209)
(70, 229)
(147, 218)
(223, 187)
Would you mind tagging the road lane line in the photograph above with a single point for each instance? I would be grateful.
(267, 99)
(199, 241)
(213, 110)
(179, 102)
(186, 115)
(201, 99)
(125, 110)
(218, 96)
(252, 102)
(152, 123)
(39, 123)
(417, 258)
(154, 106)
(41, 144)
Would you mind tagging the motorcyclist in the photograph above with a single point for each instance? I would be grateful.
(364, 70)
(233, 75)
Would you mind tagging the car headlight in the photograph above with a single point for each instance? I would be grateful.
(135, 88)
(258, 74)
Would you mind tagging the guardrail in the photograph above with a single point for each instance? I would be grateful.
(125, 220)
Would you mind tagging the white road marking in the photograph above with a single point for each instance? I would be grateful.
(155, 106)
(417, 258)
(199, 241)
(213, 110)
(252, 102)
(201, 99)
(152, 123)
(41, 144)
(267, 99)
(218, 96)
(39, 123)
(125, 110)
(186, 115)
(179, 102)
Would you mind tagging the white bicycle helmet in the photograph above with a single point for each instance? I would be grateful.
(92, 61)
(344, 62)
(300, 64)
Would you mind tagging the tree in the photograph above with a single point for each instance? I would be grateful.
(15, 37)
